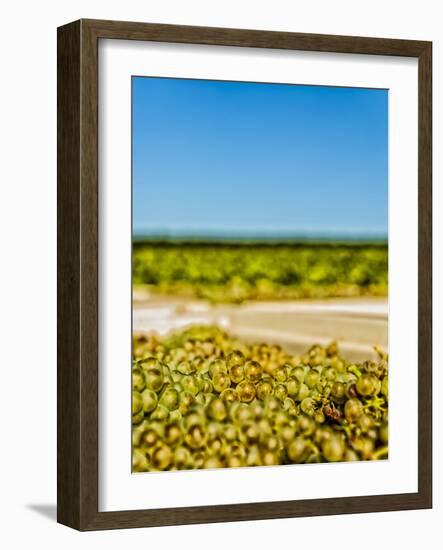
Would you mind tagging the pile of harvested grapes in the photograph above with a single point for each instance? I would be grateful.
(204, 400)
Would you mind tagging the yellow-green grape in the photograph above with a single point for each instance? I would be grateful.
(264, 389)
(229, 395)
(350, 456)
(203, 398)
(150, 363)
(364, 445)
(170, 399)
(217, 367)
(253, 371)
(292, 386)
(150, 400)
(253, 457)
(270, 458)
(366, 385)
(319, 416)
(200, 365)
(230, 432)
(303, 392)
(176, 376)
(212, 462)
(305, 425)
(281, 374)
(332, 349)
(221, 381)
(251, 433)
(160, 413)
(353, 409)
(243, 414)
(137, 418)
(280, 392)
(246, 391)
(298, 373)
(329, 373)
(308, 406)
(173, 434)
(137, 432)
(137, 402)
(206, 385)
(338, 391)
(298, 450)
(312, 378)
(384, 432)
(175, 416)
(287, 434)
(151, 435)
(216, 409)
(182, 458)
(190, 384)
(161, 457)
(272, 405)
(333, 448)
(138, 380)
(140, 462)
(154, 379)
(235, 358)
(237, 373)
(365, 423)
(235, 462)
(186, 367)
(337, 363)
(384, 386)
(196, 437)
(186, 399)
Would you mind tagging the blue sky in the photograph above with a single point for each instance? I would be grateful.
(247, 159)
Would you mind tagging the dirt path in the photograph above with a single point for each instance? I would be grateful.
(357, 324)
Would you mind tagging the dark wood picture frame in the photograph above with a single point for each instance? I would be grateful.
(77, 456)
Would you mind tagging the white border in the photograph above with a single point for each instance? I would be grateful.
(118, 488)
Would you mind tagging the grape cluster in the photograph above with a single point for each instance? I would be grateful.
(204, 400)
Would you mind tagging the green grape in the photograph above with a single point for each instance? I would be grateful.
(281, 374)
(293, 386)
(137, 402)
(263, 389)
(253, 371)
(138, 380)
(170, 399)
(230, 395)
(160, 413)
(280, 392)
(303, 392)
(216, 409)
(173, 434)
(154, 379)
(246, 391)
(140, 461)
(384, 433)
(221, 381)
(333, 448)
(161, 458)
(298, 450)
(237, 373)
(312, 378)
(366, 385)
(384, 386)
(150, 401)
(191, 384)
(235, 358)
(353, 409)
(218, 366)
(308, 406)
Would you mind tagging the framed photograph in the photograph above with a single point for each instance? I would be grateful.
(244, 275)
